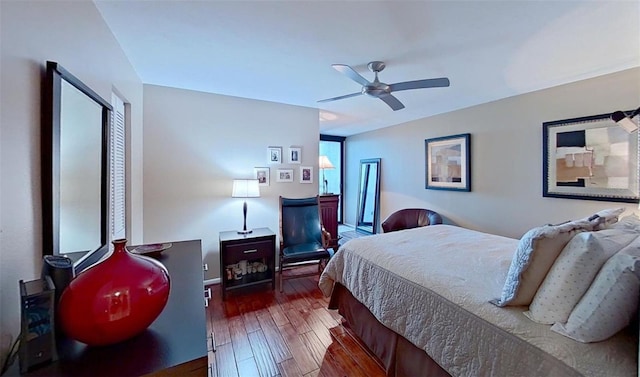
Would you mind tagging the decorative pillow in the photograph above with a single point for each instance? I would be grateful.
(533, 258)
(573, 271)
(630, 223)
(610, 303)
(605, 218)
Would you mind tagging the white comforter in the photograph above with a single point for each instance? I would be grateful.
(432, 285)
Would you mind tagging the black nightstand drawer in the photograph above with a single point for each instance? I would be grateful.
(248, 250)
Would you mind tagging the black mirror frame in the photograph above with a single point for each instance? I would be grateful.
(361, 200)
(50, 160)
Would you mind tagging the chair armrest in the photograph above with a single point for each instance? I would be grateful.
(326, 238)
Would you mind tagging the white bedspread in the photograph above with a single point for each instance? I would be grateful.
(432, 285)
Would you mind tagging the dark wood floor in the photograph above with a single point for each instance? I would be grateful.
(266, 333)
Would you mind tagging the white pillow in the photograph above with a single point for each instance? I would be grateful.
(534, 256)
(631, 222)
(573, 271)
(606, 217)
(610, 303)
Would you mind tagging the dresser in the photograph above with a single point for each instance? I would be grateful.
(329, 213)
(174, 344)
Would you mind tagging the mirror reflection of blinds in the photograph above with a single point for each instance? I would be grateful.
(117, 213)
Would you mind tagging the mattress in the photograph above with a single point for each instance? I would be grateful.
(432, 285)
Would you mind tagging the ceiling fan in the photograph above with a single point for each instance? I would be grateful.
(381, 90)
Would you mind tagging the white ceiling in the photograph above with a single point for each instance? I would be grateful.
(282, 51)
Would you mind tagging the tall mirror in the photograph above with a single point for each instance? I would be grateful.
(369, 196)
(75, 135)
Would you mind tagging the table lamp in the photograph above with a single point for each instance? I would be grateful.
(324, 163)
(245, 188)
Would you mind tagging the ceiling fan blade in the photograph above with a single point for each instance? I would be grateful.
(351, 73)
(392, 101)
(341, 97)
(419, 84)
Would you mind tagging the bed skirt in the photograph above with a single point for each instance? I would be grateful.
(398, 356)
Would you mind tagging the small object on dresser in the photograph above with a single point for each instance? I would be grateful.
(150, 249)
(37, 337)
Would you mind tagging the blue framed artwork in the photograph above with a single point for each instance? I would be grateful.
(448, 163)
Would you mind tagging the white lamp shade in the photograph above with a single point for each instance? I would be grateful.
(245, 188)
(324, 163)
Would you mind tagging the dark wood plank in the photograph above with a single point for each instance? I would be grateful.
(318, 327)
(267, 366)
(241, 345)
(359, 354)
(344, 360)
(302, 355)
(248, 368)
(226, 361)
(315, 346)
(276, 342)
(289, 368)
(279, 318)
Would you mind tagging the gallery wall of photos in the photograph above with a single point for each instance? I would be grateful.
(285, 166)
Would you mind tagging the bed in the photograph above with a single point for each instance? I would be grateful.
(419, 299)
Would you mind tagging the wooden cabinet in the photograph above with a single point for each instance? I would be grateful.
(329, 213)
(255, 249)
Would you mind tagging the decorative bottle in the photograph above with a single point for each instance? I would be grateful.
(115, 299)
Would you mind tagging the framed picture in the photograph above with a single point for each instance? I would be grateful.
(448, 163)
(589, 158)
(274, 155)
(295, 155)
(306, 174)
(284, 175)
(262, 175)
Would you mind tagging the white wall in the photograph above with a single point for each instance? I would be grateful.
(196, 143)
(74, 34)
(506, 157)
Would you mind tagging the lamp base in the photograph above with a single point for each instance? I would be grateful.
(245, 231)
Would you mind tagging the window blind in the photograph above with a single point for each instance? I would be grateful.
(117, 212)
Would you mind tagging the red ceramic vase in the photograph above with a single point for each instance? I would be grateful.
(114, 299)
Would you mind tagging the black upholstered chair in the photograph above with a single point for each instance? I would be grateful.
(410, 218)
(303, 240)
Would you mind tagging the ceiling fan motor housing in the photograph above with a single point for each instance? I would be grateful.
(376, 66)
(376, 90)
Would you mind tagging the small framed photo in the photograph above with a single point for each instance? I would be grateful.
(448, 163)
(295, 155)
(274, 155)
(306, 174)
(284, 175)
(262, 175)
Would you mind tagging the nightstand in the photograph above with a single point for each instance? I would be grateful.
(257, 249)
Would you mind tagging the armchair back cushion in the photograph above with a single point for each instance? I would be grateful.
(301, 229)
(410, 218)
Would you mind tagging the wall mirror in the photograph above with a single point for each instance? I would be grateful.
(369, 196)
(75, 147)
